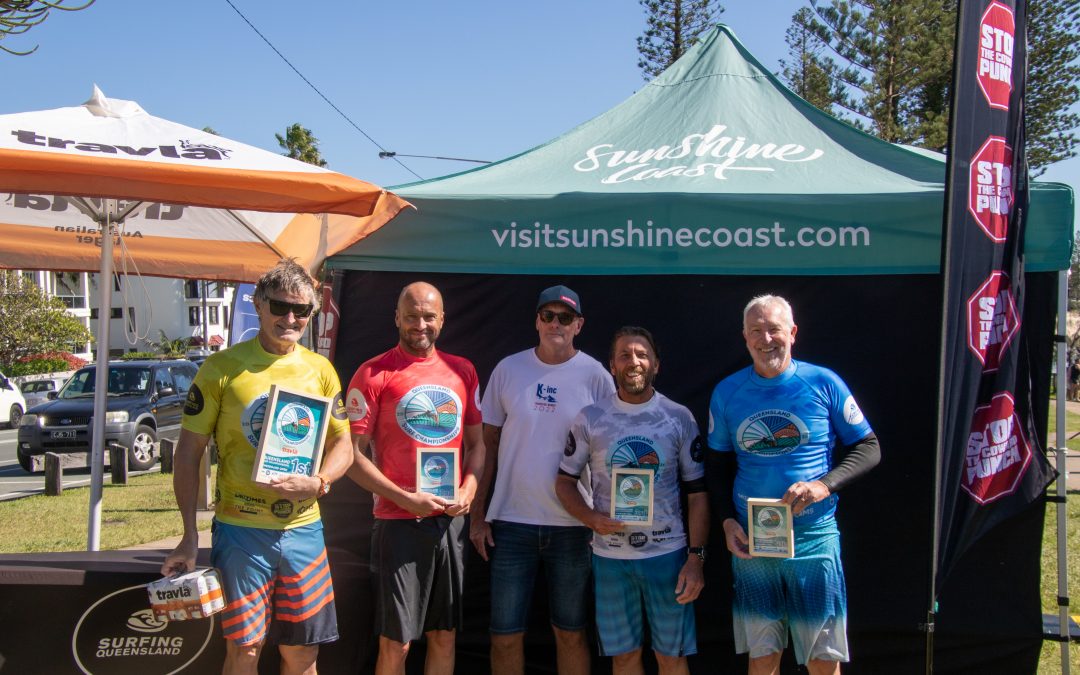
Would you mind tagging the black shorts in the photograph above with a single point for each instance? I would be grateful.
(419, 571)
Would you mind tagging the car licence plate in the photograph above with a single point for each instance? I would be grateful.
(62, 434)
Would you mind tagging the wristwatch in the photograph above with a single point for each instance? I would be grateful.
(324, 486)
(699, 551)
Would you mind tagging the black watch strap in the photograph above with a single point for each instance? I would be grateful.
(699, 551)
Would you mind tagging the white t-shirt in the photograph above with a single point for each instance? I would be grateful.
(534, 403)
(660, 435)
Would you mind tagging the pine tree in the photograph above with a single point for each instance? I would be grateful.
(1053, 72)
(673, 28)
(301, 144)
(806, 72)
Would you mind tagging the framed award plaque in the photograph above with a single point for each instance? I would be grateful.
(769, 528)
(293, 434)
(437, 472)
(632, 495)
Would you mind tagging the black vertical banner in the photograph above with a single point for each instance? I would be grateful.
(989, 463)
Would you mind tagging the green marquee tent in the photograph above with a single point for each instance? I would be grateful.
(714, 167)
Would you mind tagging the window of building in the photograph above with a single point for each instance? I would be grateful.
(212, 312)
(193, 316)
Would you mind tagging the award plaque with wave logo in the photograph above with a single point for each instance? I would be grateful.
(437, 472)
(632, 495)
(769, 528)
(293, 431)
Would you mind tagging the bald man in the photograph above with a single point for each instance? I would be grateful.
(409, 398)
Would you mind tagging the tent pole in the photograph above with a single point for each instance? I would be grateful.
(101, 379)
(1061, 455)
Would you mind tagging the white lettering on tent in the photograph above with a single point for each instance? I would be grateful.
(730, 154)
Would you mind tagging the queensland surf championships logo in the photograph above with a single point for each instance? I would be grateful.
(430, 414)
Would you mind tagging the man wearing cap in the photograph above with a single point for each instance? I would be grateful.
(530, 400)
(774, 426)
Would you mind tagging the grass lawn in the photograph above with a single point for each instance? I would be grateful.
(1050, 661)
(142, 511)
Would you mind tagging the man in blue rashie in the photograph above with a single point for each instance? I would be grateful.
(774, 427)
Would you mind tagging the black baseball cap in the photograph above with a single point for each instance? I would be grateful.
(560, 294)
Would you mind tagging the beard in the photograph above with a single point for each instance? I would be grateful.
(636, 385)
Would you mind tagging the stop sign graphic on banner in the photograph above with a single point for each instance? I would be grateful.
(997, 452)
(997, 31)
(992, 320)
(990, 187)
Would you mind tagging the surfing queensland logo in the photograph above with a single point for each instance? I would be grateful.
(772, 432)
(430, 414)
(251, 421)
(295, 423)
(635, 452)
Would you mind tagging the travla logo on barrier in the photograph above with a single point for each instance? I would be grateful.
(990, 187)
(997, 452)
(992, 320)
(997, 31)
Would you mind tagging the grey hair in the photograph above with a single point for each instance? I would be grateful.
(287, 276)
(767, 300)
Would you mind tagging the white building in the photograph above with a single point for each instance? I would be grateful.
(143, 307)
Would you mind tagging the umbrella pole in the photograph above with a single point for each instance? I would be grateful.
(101, 381)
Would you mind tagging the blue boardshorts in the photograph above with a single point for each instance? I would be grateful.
(519, 549)
(805, 593)
(279, 571)
(625, 587)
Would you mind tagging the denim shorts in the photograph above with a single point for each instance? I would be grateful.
(519, 549)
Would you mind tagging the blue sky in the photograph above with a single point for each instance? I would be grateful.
(480, 79)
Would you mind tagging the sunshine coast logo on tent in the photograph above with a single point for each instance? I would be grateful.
(699, 154)
(772, 432)
(430, 413)
(993, 320)
(997, 452)
(635, 452)
(186, 149)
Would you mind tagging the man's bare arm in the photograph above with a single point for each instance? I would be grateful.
(186, 460)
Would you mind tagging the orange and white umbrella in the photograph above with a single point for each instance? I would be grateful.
(180, 202)
(191, 204)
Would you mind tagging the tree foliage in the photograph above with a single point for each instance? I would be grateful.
(889, 67)
(19, 16)
(301, 144)
(1053, 72)
(672, 27)
(167, 346)
(32, 322)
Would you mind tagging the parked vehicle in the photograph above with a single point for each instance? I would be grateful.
(37, 391)
(145, 399)
(12, 403)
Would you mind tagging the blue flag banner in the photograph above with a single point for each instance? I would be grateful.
(245, 322)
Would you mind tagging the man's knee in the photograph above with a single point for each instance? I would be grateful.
(507, 642)
(624, 662)
(237, 654)
(765, 665)
(299, 657)
(569, 639)
(441, 641)
(822, 667)
(670, 664)
(392, 650)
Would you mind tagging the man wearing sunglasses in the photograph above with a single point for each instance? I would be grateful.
(267, 540)
(528, 405)
(409, 398)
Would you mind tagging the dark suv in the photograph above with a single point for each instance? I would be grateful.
(146, 398)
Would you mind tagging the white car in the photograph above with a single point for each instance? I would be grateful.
(37, 391)
(12, 403)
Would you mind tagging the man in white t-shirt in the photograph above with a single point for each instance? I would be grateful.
(529, 403)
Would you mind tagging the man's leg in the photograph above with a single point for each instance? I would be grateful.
(241, 659)
(392, 655)
(440, 652)
(514, 561)
(298, 659)
(672, 665)
(820, 667)
(573, 651)
(765, 665)
(508, 654)
(567, 559)
(628, 663)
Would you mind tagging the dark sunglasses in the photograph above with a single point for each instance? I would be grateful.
(282, 308)
(565, 318)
